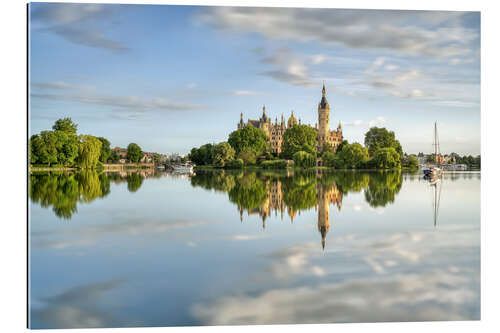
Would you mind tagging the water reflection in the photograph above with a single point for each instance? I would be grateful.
(63, 190)
(264, 193)
(143, 247)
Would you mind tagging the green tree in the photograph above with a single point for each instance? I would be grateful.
(45, 146)
(430, 158)
(352, 156)
(330, 159)
(202, 155)
(67, 147)
(341, 145)
(235, 164)
(387, 158)
(89, 150)
(298, 138)
(327, 148)
(247, 155)
(411, 162)
(223, 153)
(65, 125)
(380, 137)
(105, 150)
(303, 159)
(34, 146)
(249, 138)
(134, 152)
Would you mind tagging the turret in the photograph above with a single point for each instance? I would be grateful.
(292, 120)
(264, 117)
(241, 124)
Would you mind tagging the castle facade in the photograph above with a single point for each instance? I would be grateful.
(275, 131)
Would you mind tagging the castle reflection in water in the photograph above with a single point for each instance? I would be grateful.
(276, 204)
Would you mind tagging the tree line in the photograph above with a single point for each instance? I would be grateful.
(63, 147)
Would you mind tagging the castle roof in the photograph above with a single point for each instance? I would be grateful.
(254, 123)
(324, 103)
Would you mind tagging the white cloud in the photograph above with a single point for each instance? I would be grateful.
(437, 34)
(130, 102)
(78, 23)
(245, 93)
(288, 68)
(377, 63)
(391, 67)
(379, 121)
(318, 59)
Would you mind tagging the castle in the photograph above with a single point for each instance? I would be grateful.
(276, 131)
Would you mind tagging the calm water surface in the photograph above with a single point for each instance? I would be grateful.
(139, 249)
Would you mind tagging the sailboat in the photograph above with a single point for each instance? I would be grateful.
(435, 170)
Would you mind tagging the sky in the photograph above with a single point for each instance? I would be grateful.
(175, 77)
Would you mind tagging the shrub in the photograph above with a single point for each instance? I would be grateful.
(329, 160)
(303, 159)
(274, 164)
(386, 158)
(235, 164)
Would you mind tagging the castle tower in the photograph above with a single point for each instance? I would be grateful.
(323, 119)
(265, 121)
(241, 124)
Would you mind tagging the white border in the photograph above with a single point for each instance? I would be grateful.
(13, 168)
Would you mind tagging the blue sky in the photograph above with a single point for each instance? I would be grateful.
(173, 77)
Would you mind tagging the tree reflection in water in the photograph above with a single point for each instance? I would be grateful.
(262, 193)
(62, 191)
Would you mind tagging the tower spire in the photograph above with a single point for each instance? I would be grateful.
(323, 91)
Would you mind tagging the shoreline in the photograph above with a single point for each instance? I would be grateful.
(105, 167)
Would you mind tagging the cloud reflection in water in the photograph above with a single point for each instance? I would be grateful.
(401, 277)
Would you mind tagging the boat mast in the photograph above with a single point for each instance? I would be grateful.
(437, 150)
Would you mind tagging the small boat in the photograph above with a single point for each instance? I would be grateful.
(183, 168)
(432, 171)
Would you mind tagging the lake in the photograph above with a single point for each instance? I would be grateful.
(231, 248)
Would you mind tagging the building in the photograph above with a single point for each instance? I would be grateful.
(275, 131)
(120, 152)
(147, 158)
